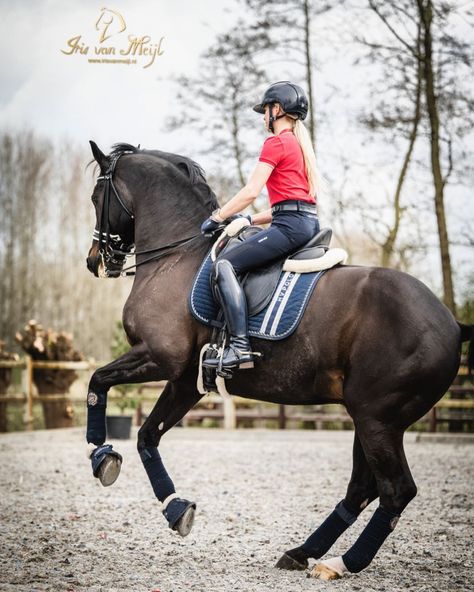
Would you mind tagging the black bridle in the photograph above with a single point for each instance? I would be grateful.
(113, 250)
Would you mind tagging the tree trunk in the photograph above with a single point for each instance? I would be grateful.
(58, 413)
(426, 16)
(309, 78)
(389, 244)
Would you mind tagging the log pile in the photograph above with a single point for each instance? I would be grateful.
(49, 345)
(5, 378)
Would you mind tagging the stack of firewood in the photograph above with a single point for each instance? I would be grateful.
(48, 345)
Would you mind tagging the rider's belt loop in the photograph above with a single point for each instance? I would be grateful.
(294, 207)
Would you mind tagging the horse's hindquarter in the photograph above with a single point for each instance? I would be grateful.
(370, 326)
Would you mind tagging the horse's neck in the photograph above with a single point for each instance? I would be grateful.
(166, 223)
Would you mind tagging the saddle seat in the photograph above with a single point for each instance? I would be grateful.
(260, 284)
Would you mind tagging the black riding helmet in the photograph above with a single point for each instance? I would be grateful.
(290, 96)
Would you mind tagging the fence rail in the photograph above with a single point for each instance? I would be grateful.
(230, 411)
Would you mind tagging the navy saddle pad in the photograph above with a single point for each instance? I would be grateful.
(277, 320)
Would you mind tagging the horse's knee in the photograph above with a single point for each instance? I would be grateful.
(146, 438)
(97, 383)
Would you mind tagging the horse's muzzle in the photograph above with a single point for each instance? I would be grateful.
(93, 260)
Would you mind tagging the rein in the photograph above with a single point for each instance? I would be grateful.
(170, 248)
(112, 245)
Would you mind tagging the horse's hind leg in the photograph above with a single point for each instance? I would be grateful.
(175, 401)
(132, 367)
(362, 489)
(383, 447)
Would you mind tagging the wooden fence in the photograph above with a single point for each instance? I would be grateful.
(456, 408)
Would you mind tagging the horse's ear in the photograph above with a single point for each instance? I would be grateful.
(99, 156)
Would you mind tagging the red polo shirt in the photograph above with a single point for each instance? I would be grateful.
(288, 180)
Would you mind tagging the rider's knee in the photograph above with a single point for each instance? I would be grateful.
(219, 265)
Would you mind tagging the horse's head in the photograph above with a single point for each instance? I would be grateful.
(113, 236)
(150, 199)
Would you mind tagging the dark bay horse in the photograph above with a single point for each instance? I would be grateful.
(372, 339)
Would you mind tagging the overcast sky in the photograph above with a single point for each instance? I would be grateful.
(67, 96)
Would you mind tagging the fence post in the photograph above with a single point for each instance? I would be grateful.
(281, 417)
(29, 393)
(432, 420)
(230, 420)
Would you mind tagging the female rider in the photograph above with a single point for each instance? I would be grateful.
(287, 165)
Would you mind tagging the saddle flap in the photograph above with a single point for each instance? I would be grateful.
(259, 286)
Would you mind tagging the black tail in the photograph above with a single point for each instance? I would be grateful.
(467, 334)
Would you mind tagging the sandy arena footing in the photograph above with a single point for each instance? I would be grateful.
(258, 494)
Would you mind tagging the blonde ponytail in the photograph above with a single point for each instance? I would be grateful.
(304, 140)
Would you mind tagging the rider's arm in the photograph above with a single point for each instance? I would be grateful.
(247, 194)
(264, 217)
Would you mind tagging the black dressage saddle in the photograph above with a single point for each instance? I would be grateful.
(259, 284)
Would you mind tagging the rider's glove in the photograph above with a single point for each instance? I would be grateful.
(246, 216)
(209, 227)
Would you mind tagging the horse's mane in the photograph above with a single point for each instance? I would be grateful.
(186, 165)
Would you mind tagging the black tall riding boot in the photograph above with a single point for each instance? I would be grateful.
(234, 305)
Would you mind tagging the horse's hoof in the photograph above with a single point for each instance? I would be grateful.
(324, 572)
(185, 523)
(106, 464)
(180, 515)
(109, 470)
(288, 562)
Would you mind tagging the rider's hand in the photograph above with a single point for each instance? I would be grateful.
(235, 216)
(210, 226)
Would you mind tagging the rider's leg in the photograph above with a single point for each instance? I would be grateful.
(234, 305)
(258, 250)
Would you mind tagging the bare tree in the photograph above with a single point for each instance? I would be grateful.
(216, 102)
(290, 27)
(420, 31)
(45, 231)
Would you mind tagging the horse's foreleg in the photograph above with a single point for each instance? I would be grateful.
(175, 401)
(135, 366)
(383, 447)
(362, 489)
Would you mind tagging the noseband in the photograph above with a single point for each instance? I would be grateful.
(112, 248)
